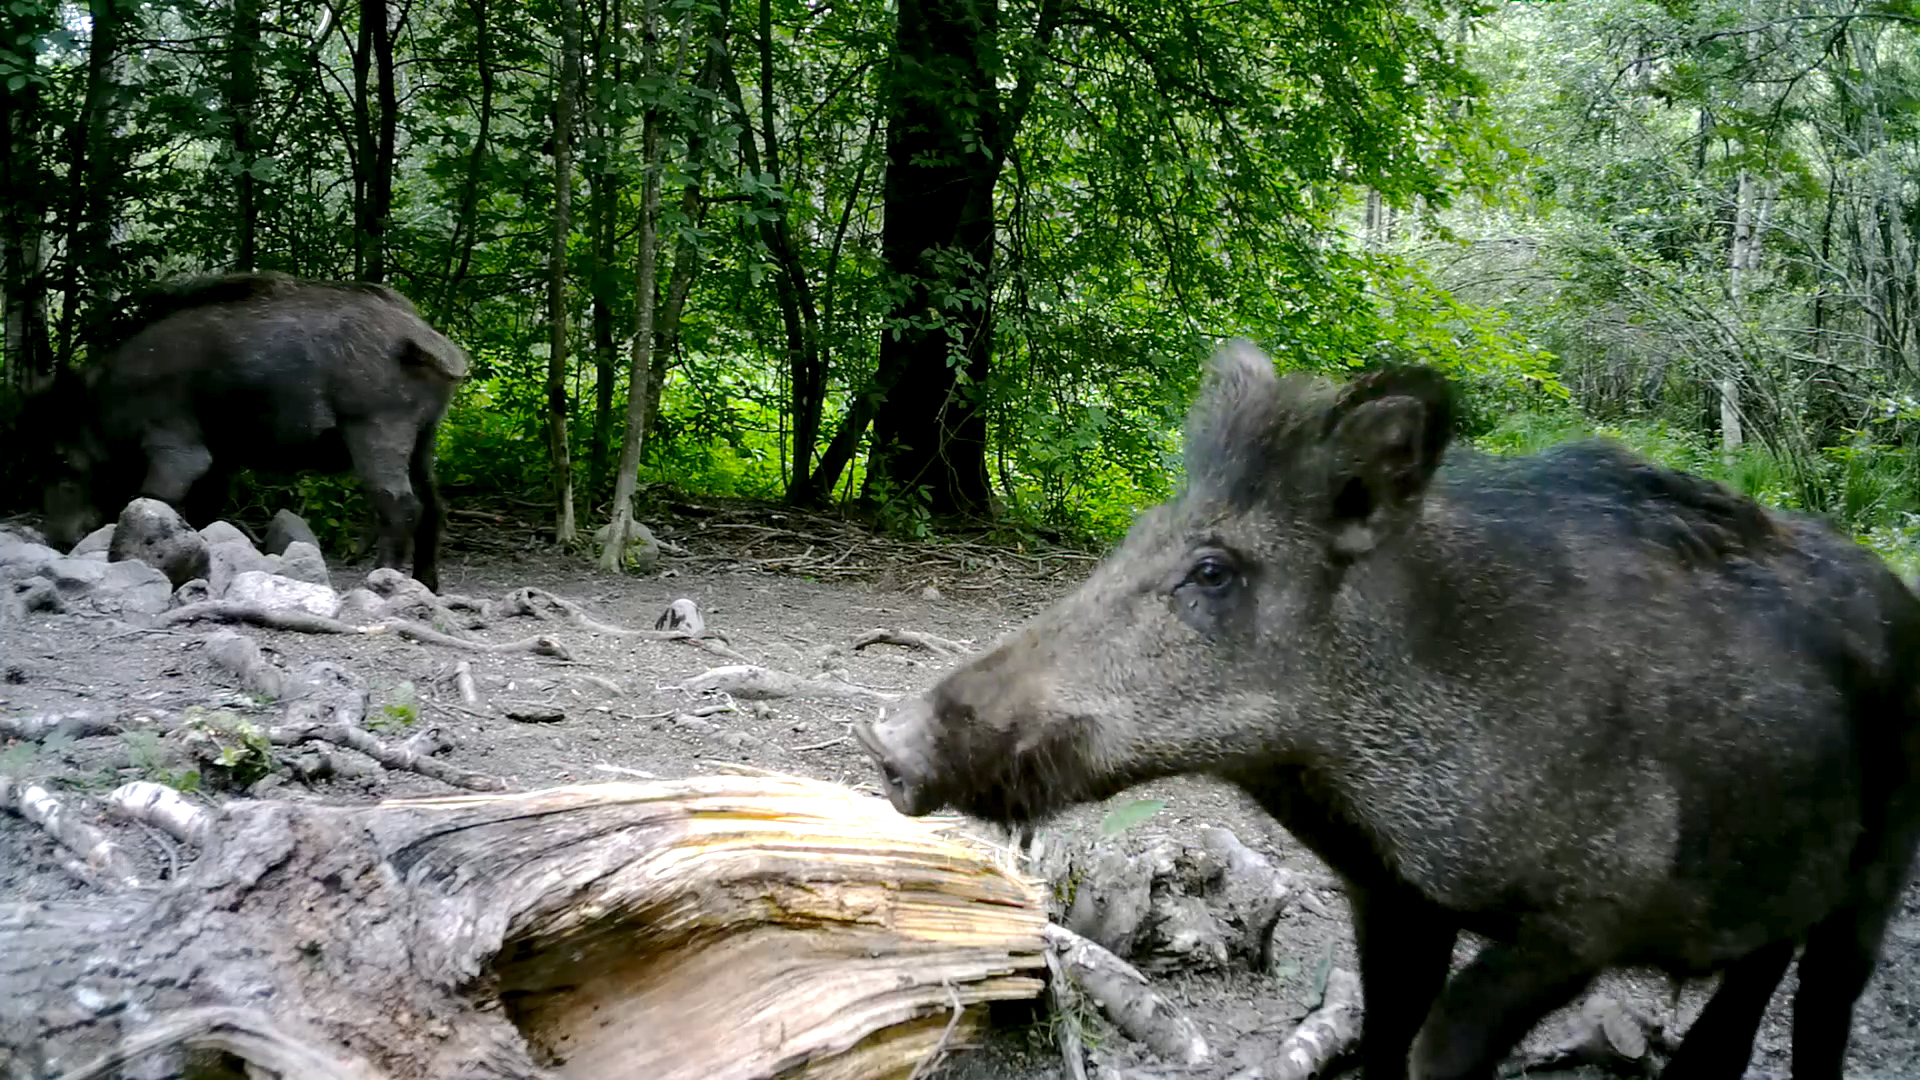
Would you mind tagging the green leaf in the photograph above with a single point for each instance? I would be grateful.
(1127, 815)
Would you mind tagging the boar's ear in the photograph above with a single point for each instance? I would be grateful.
(1229, 427)
(1384, 437)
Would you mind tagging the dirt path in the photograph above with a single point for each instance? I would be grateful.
(619, 698)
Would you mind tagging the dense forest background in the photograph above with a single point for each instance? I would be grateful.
(963, 256)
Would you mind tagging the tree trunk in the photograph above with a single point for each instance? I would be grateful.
(604, 195)
(376, 116)
(627, 480)
(23, 194)
(724, 927)
(460, 246)
(244, 96)
(557, 367)
(93, 178)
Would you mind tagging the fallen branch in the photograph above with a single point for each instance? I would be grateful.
(463, 683)
(692, 628)
(911, 639)
(162, 807)
(294, 619)
(757, 683)
(102, 857)
(1327, 1034)
(36, 727)
(1066, 1019)
(1604, 1034)
(391, 757)
(1127, 999)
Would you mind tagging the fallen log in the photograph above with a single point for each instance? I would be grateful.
(727, 927)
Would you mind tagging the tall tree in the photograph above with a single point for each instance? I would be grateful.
(566, 98)
(243, 96)
(376, 122)
(23, 193)
(93, 177)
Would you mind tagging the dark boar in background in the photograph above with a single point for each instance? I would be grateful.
(259, 371)
(1599, 712)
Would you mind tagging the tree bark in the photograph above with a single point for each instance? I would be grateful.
(558, 405)
(948, 136)
(376, 126)
(243, 96)
(23, 205)
(725, 927)
(627, 479)
(460, 246)
(93, 177)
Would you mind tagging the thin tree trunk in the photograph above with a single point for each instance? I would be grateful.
(557, 367)
(92, 177)
(460, 246)
(245, 95)
(604, 194)
(23, 191)
(627, 480)
(376, 127)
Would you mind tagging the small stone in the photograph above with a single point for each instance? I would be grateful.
(302, 561)
(272, 591)
(929, 593)
(100, 540)
(154, 533)
(192, 592)
(288, 528)
(223, 532)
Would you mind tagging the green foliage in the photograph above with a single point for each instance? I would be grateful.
(234, 749)
(1128, 814)
(399, 713)
(154, 759)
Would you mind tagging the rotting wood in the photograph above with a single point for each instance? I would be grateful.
(722, 927)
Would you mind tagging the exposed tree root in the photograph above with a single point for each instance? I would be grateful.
(1327, 1034)
(912, 639)
(1127, 999)
(1604, 1034)
(463, 684)
(163, 808)
(294, 619)
(103, 859)
(407, 757)
(427, 635)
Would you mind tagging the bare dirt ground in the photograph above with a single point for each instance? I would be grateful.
(789, 593)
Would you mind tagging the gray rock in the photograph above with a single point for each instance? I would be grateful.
(76, 578)
(134, 588)
(302, 561)
(192, 592)
(37, 593)
(25, 534)
(240, 656)
(275, 592)
(23, 558)
(100, 540)
(404, 598)
(288, 528)
(223, 532)
(227, 559)
(155, 533)
(360, 607)
(97, 556)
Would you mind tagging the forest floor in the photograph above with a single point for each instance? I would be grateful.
(783, 590)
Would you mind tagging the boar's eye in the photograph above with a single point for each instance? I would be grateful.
(1212, 572)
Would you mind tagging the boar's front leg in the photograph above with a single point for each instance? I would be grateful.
(381, 455)
(1406, 946)
(1489, 1007)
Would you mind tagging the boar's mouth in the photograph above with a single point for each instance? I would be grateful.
(911, 795)
(998, 783)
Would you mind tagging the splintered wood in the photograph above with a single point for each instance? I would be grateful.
(727, 927)
(759, 926)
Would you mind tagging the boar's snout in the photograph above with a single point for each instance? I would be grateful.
(901, 744)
